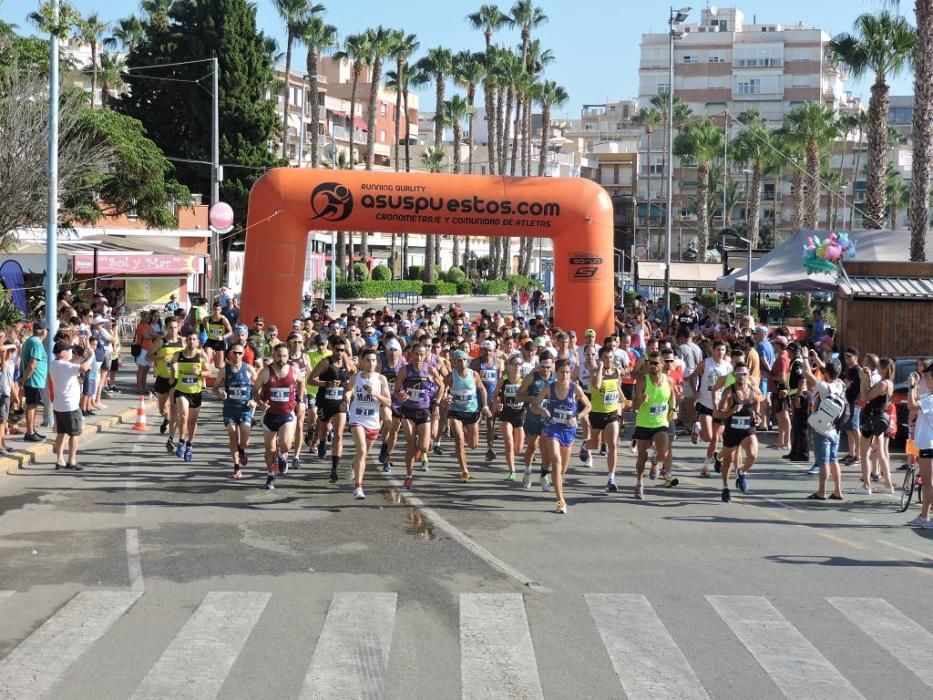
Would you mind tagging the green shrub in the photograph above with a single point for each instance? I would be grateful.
(438, 289)
(465, 287)
(415, 272)
(675, 300)
(374, 289)
(455, 275)
(520, 282)
(360, 272)
(798, 306)
(493, 287)
(381, 273)
(709, 301)
(629, 298)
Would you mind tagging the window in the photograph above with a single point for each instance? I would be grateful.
(750, 86)
(901, 115)
(663, 88)
(716, 59)
(382, 135)
(382, 109)
(690, 59)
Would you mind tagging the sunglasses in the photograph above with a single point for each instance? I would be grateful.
(654, 364)
(236, 352)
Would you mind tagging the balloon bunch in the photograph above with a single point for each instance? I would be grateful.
(824, 256)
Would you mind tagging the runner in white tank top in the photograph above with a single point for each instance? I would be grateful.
(369, 391)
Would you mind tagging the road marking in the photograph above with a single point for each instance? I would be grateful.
(34, 666)
(645, 657)
(134, 561)
(466, 541)
(915, 552)
(352, 652)
(198, 660)
(797, 667)
(4, 595)
(129, 485)
(497, 659)
(896, 633)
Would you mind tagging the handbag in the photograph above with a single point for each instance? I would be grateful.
(135, 349)
(879, 423)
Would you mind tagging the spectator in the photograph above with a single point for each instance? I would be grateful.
(231, 311)
(7, 383)
(34, 369)
(172, 306)
(65, 370)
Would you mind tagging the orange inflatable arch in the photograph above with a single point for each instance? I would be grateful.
(286, 203)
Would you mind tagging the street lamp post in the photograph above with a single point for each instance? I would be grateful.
(748, 288)
(51, 227)
(674, 18)
(216, 175)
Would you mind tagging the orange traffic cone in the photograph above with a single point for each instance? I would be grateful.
(140, 423)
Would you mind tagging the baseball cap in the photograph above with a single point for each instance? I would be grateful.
(589, 333)
(258, 319)
(393, 345)
(320, 339)
(406, 323)
(460, 355)
(488, 345)
(761, 329)
(40, 326)
(294, 335)
(540, 341)
(372, 340)
(61, 347)
(539, 314)
(240, 328)
(780, 340)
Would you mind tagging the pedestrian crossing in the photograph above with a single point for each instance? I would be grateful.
(353, 654)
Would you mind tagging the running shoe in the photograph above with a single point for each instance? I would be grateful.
(383, 454)
(296, 462)
(546, 483)
(358, 493)
(164, 426)
(589, 460)
(387, 467)
(653, 474)
(180, 450)
(670, 481)
(74, 468)
(639, 492)
(561, 508)
(282, 463)
(490, 454)
(437, 451)
(464, 477)
(526, 480)
(270, 482)
(321, 449)
(244, 458)
(928, 525)
(583, 453)
(170, 446)
(634, 446)
(862, 491)
(603, 450)
(409, 480)
(611, 487)
(425, 465)
(876, 478)
(511, 475)
(815, 469)
(695, 433)
(704, 473)
(333, 476)
(236, 473)
(741, 482)
(726, 495)
(717, 462)
(919, 521)
(188, 453)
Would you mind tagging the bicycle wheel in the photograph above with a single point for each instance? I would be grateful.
(907, 489)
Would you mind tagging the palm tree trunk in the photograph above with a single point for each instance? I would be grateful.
(502, 137)
(648, 181)
(489, 95)
(399, 64)
(371, 116)
(858, 158)
(466, 255)
(798, 198)
(355, 80)
(842, 163)
(404, 271)
(545, 121)
(439, 101)
(313, 98)
(702, 211)
(922, 130)
(471, 98)
(519, 104)
(753, 215)
(407, 140)
(875, 193)
(429, 258)
(509, 133)
(526, 146)
(341, 252)
(811, 209)
(506, 257)
(288, 75)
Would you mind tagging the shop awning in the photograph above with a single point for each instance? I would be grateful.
(338, 113)
(360, 123)
(683, 275)
(916, 288)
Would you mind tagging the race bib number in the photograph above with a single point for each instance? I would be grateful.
(461, 396)
(365, 412)
(741, 422)
(488, 376)
(611, 397)
(280, 394)
(510, 391)
(391, 386)
(216, 333)
(659, 409)
(333, 393)
(238, 393)
(189, 380)
(416, 394)
(561, 415)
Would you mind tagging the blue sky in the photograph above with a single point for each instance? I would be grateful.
(595, 41)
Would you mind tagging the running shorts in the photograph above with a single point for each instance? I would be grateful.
(564, 434)
(236, 416)
(600, 421)
(194, 400)
(163, 385)
(642, 433)
(512, 417)
(733, 438)
(418, 416)
(271, 422)
(467, 418)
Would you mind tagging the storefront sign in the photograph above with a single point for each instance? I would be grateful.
(137, 264)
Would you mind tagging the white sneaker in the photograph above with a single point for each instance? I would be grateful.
(358, 493)
(919, 521)
(862, 491)
(928, 525)
(526, 480)
(546, 483)
(561, 508)
(589, 461)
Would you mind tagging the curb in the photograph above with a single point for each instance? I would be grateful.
(31, 454)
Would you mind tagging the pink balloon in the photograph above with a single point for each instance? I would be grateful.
(221, 216)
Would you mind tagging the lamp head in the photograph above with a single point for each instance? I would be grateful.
(680, 15)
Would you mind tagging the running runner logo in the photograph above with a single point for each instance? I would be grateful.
(331, 201)
(584, 267)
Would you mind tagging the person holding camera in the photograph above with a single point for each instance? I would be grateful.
(64, 371)
(920, 399)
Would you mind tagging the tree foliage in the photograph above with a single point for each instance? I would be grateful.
(177, 115)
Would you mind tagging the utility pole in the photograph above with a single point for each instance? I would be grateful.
(216, 177)
(51, 227)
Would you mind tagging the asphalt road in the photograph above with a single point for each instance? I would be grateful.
(144, 576)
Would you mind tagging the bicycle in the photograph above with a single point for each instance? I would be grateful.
(912, 482)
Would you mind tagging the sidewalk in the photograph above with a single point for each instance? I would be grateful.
(120, 408)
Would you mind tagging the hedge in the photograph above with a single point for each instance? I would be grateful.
(360, 271)
(381, 273)
(438, 289)
(455, 275)
(372, 289)
(493, 287)
(465, 287)
(415, 272)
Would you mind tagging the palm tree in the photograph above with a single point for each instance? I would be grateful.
(469, 72)
(127, 34)
(526, 15)
(922, 133)
(551, 95)
(489, 19)
(156, 13)
(295, 14)
(755, 146)
(434, 160)
(90, 30)
(845, 125)
(538, 58)
(882, 44)
(356, 51)
(111, 75)
(402, 47)
(380, 45)
(898, 193)
(320, 38)
(701, 140)
(512, 72)
(439, 62)
(682, 114)
(861, 124)
(814, 127)
(649, 119)
(455, 110)
(412, 76)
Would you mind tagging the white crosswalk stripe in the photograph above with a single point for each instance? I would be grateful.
(34, 666)
(497, 659)
(646, 658)
(352, 652)
(896, 633)
(5, 594)
(797, 667)
(197, 661)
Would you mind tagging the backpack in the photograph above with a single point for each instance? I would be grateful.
(831, 415)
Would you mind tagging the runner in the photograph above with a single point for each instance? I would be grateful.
(707, 426)
(558, 406)
(738, 408)
(655, 409)
(218, 331)
(189, 367)
(511, 412)
(280, 389)
(390, 364)
(588, 366)
(466, 401)
(164, 348)
(489, 367)
(416, 387)
(234, 385)
(314, 357)
(333, 373)
(606, 415)
(533, 385)
(675, 369)
(369, 394)
(298, 359)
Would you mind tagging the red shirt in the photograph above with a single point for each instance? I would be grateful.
(780, 366)
(280, 392)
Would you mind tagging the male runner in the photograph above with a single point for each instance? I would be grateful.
(280, 389)
(489, 368)
(234, 385)
(218, 330)
(189, 367)
(368, 394)
(164, 348)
